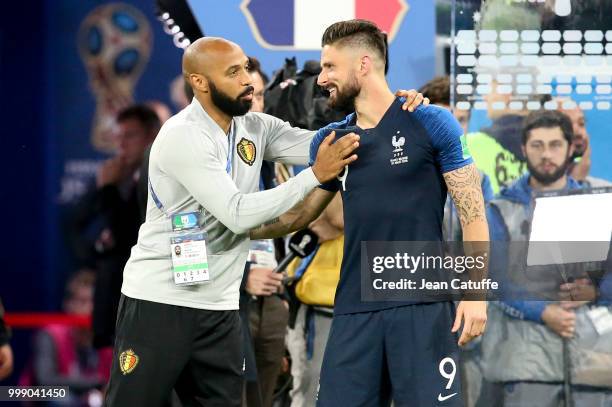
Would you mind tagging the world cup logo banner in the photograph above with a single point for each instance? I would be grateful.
(115, 44)
(299, 24)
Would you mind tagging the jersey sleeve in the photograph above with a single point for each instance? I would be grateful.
(446, 136)
(331, 186)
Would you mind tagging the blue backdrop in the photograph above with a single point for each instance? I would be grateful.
(411, 52)
(48, 108)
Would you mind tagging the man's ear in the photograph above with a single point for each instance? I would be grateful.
(523, 150)
(199, 82)
(365, 65)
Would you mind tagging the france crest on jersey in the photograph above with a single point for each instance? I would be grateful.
(395, 191)
(304, 21)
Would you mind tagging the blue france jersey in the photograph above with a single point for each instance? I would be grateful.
(395, 190)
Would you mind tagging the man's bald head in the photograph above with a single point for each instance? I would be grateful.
(218, 72)
(201, 55)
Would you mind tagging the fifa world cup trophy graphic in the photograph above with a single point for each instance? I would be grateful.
(115, 43)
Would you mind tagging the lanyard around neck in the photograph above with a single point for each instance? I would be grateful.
(231, 141)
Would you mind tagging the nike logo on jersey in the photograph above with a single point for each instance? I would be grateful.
(444, 398)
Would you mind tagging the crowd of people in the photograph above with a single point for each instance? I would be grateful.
(166, 331)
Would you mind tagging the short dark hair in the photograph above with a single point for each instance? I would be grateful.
(548, 119)
(255, 66)
(356, 32)
(144, 114)
(437, 90)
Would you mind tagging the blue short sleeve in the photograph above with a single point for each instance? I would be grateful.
(333, 185)
(316, 142)
(446, 136)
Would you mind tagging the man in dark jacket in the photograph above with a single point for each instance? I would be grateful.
(114, 205)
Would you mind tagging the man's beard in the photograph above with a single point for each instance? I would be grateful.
(345, 100)
(229, 106)
(580, 148)
(548, 178)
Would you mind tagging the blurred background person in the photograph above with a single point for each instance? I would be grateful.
(260, 80)
(112, 214)
(313, 287)
(64, 355)
(496, 149)
(522, 348)
(6, 353)
(580, 167)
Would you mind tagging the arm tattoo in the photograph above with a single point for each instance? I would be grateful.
(272, 221)
(464, 187)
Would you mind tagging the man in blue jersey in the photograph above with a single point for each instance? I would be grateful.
(395, 191)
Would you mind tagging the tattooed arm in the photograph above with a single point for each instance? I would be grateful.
(295, 218)
(464, 187)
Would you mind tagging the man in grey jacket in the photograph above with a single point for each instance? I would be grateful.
(178, 324)
(523, 346)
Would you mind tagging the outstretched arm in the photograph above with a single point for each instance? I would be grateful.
(297, 217)
(413, 99)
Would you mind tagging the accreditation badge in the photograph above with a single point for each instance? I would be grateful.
(262, 254)
(188, 249)
(601, 317)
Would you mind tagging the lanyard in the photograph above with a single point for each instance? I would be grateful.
(158, 203)
(231, 141)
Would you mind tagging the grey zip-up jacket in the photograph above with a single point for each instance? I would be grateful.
(517, 345)
(188, 170)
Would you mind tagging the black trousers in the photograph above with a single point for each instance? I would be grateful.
(159, 347)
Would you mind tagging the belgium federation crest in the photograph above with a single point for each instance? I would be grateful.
(128, 361)
(246, 151)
